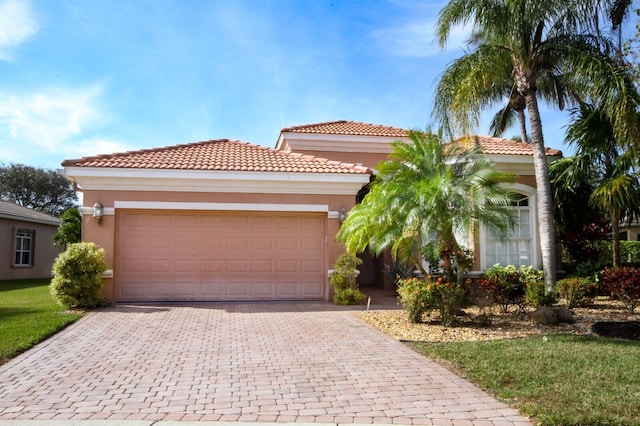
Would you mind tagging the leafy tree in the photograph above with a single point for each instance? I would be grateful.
(70, 228)
(601, 163)
(539, 43)
(424, 190)
(40, 189)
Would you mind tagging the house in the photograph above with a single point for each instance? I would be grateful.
(227, 220)
(27, 247)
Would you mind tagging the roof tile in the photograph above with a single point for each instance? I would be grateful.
(221, 154)
(344, 127)
(499, 146)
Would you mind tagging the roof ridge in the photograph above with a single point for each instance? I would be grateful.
(144, 151)
(324, 123)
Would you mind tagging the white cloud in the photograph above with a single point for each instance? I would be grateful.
(95, 146)
(49, 118)
(418, 39)
(16, 25)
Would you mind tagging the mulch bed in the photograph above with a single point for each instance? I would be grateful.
(629, 330)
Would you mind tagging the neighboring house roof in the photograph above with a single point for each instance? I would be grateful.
(344, 127)
(500, 146)
(218, 155)
(16, 212)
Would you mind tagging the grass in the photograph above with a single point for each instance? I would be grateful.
(556, 380)
(28, 315)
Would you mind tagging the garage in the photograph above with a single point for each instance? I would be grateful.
(165, 255)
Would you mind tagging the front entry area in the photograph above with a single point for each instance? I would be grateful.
(219, 256)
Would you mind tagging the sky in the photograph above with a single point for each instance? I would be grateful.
(81, 78)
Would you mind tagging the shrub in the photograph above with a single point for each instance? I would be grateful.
(76, 282)
(343, 280)
(577, 292)
(624, 284)
(536, 294)
(506, 286)
(419, 296)
(415, 298)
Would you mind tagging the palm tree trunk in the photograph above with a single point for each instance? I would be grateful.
(546, 231)
(615, 239)
(523, 126)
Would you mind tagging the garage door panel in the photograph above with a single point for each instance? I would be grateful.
(219, 256)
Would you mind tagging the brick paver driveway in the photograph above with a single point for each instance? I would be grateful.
(262, 362)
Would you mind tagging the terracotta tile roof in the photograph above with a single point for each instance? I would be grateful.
(14, 211)
(221, 154)
(500, 146)
(344, 127)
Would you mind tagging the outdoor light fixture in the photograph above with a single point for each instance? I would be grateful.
(98, 212)
(342, 214)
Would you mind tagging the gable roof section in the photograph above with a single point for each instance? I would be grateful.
(344, 127)
(217, 155)
(16, 212)
(500, 146)
(221, 165)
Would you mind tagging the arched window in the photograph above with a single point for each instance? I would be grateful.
(517, 248)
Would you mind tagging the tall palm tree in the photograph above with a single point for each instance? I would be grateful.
(536, 41)
(426, 190)
(600, 162)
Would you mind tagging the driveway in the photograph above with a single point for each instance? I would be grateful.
(250, 362)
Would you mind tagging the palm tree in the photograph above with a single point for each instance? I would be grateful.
(600, 162)
(538, 42)
(425, 190)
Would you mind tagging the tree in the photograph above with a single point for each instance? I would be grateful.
(540, 43)
(426, 190)
(70, 228)
(600, 162)
(40, 189)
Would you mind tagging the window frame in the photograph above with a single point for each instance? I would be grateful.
(530, 193)
(15, 249)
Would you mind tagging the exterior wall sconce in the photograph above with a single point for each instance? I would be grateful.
(342, 214)
(98, 212)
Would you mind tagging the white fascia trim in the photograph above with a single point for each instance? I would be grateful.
(160, 205)
(52, 221)
(337, 143)
(216, 181)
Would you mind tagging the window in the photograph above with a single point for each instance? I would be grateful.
(23, 253)
(516, 249)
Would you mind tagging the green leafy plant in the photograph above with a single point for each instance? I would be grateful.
(343, 280)
(420, 296)
(506, 285)
(415, 298)
(535, 289)
(76, 282)
(624, 284)
(577, 292)
(536, 295)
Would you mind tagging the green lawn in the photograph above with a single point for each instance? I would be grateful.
(28, 315)
(556, 380)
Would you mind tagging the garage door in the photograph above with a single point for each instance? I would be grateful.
(219, 256)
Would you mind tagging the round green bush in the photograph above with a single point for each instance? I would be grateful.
(76, 276)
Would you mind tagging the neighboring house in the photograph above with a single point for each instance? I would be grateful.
(27, 250)
(629, 231)
(226, 220)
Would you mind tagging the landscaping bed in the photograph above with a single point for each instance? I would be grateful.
(490, 324)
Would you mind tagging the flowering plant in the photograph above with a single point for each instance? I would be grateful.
(420, 296)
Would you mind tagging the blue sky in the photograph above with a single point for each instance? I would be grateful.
(81, 77)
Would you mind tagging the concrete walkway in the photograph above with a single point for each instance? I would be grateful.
(250, 362)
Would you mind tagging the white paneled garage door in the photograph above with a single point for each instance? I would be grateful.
(219, 256)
